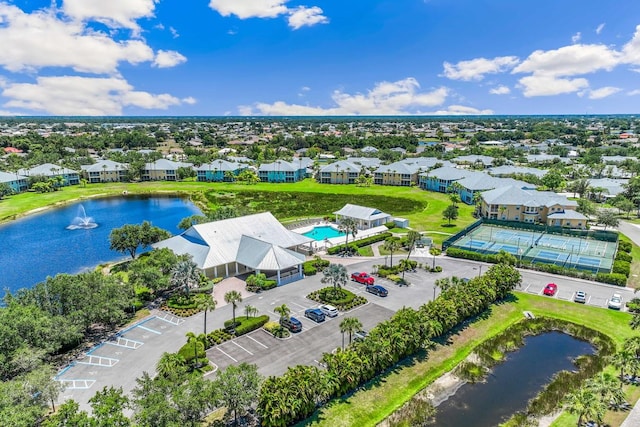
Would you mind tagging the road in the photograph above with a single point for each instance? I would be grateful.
(137, 349)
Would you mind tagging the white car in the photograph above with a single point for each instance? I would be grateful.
(329, 310)
(615, 302)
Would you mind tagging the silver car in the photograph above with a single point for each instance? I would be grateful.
(615, 302)
(580, 297)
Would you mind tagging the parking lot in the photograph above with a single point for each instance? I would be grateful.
(274, 355)
(123, 358)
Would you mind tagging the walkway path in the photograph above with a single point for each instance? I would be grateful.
(633, 419)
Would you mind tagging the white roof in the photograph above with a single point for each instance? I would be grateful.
(261, 255)
(219, 242)
(361, 212)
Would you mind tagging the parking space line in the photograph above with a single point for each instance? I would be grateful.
(100, 361)
(256, 341)
(589, 300)
(301, 306)
(223, 352)
(527, 288)
(242, 347)
(77, 384)
(149, 329)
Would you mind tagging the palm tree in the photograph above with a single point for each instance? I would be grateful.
(608, 387)
(412, 239)
(586, 405)
(185, 275)
(350, 325)
(392, 244)
(336, 275)
(622, 360)
(348, 226)
(250, 310)
(283, 311)
(233, 298)
(206, 304)
(192, 338)
(170, 364)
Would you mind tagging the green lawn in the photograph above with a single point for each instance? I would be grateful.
(371, 405)
(423, 209)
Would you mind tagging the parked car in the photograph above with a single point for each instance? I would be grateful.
(291, 323)
(615, 302)
(550, 289)
(329, 310)
(314, 314)
(580, 297)
(361, 277)
(377, 290)
(360, 335)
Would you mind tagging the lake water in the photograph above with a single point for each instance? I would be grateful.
(51, 241)
(512, 383)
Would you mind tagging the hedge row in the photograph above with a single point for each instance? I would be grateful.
(360, 243)
(245, 325)
(311, 267)
(613, 278)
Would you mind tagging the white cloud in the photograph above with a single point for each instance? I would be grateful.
(301, 16)
(114, 13)
(460, 110)
(306, 17)
(475, 69)
(570, 60)
(603, 92)
(576, 37)
(244, 9)
(386, 98)
(189, 100)
(168, 58)
(634, 92)
(8, 113)
(40, 39)
(74, 95)
(174, 32)
(631, 50)
(500, 90)
(545, 85)
(600, 28)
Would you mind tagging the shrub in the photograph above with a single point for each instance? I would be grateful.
(612, 278)
(390, 225)
(360, 243)
(435, 251)
(308, 269)
(187, 351)
(621, 267)
(623, 256)
(634, 305)
(625, 246)
(436, 269)
(143, 293)
(251, 324)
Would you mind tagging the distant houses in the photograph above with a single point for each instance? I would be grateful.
(16, 182)
(282, 171)
(341, 172)
(219, 171)
(105, 171)
(163, 170)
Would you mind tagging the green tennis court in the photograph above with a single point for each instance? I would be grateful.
(581, 253)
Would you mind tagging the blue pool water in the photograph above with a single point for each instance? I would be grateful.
(323, 232)
(54, 241)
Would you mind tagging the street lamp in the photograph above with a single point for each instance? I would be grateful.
(480, 270)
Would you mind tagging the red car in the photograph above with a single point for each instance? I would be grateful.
(550, 289)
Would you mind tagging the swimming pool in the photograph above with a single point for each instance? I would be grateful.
(322, 232)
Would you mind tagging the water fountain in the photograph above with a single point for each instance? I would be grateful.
(82, 221)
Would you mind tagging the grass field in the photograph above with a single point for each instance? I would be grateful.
(290, 201)
(376, 401)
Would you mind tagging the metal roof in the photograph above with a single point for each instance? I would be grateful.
(361, 212)
(222, 238)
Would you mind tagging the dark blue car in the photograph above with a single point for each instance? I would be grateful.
(314, 314)
(377, 290)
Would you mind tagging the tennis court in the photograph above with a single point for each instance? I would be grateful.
(539, 246)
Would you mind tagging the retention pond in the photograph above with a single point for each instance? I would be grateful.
(512, 383)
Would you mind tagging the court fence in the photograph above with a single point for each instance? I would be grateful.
(602, 235)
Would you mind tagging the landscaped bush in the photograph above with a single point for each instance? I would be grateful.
(143, 293)
(390, 225)
(621, 267)
(634, 305)
(360, 243)
(244, 325)
(308, 269)
(258, 282)
(625, 246)
(434, 251)
(436, 269)
(623, 256)
(346, 301)
(311, 267)
(216, 337)
(612, 278)
(188, 353)
(276, 330)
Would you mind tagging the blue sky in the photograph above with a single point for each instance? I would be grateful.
(319, 57)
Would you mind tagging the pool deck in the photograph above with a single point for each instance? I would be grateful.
(327, 243)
